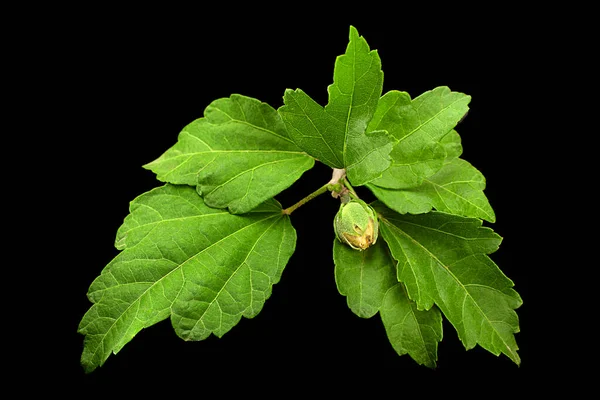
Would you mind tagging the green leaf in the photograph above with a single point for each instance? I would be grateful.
(203, 267)
(411, 331)
(368, 280)
(419, 125)
(452, 145)
(363, 276)
(315, 131)
(442, 259)
(239, 155)
(336, 135)
(457, 188)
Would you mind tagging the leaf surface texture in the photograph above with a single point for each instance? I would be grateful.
(203, 267)
(238, 155)
(442, 260)
(337, 133)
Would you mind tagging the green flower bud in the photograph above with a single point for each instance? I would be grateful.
(355, 224)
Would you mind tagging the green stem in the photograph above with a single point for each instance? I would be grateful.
(308, 198)
(350, 188)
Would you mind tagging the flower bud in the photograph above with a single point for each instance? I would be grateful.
(355, 224)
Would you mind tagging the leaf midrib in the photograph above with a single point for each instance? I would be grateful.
(232, 275)
(409, 262)
(413, 315)
(167, 220)
(178, 268)
(444, 268)
(437, 186)
(317, 129)
(444, 232)
(195, 153)
(351, 102)
(435, 116)
(375, 149)
(189, 156)
(242, 173)
(232, 119)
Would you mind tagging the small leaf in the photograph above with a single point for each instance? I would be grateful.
(419, 125)
(239, 155)
(442, 259)
(336, 135)
(409, 330)
(204, 267)
(457, 188)
(363, 276)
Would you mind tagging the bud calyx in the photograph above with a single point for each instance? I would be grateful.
(356, 224)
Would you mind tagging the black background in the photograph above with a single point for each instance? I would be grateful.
(134, 82)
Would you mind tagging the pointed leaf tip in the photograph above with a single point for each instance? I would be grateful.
(420, 126)
(457, 188)
(337, 134)
(204, 267)
(442, 260)
(410, 330)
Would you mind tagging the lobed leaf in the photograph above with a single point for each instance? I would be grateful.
(410, 330)
(184, 257)
(419, 125)
(203, 267)
(238, 155)
(457, 188)
(315, 131)
(442, 260)
(337, 134)
(363, 276)
(368, 280)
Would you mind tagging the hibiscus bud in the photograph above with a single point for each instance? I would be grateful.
(356, 224)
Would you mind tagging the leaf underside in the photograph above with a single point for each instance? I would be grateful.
(203, 267)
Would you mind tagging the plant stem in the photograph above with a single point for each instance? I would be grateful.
(308, 198)
(350, 188)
